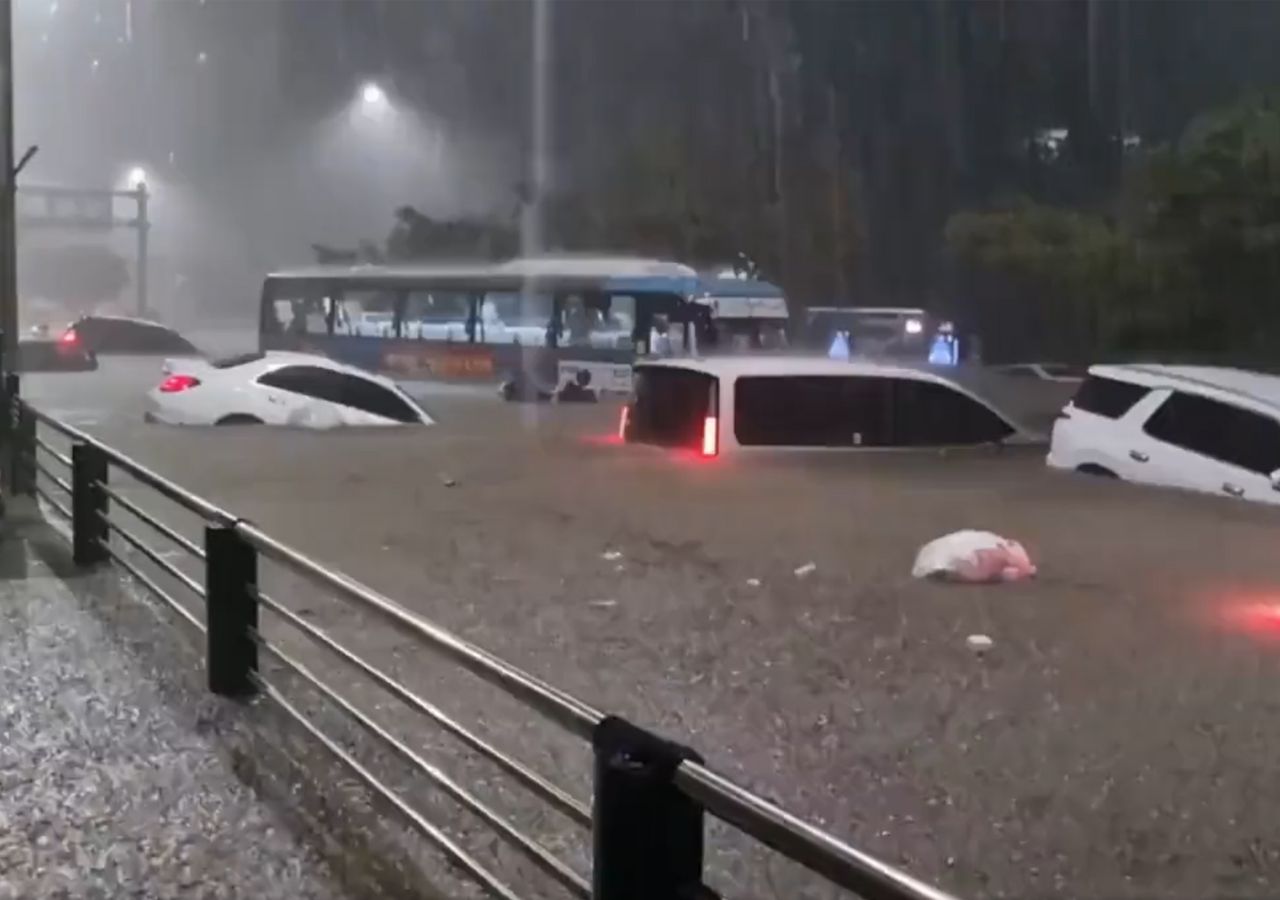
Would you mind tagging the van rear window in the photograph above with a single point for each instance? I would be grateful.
(1107, 397)
(670, 406)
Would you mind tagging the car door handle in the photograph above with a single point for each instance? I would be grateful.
(1233, 489)
(1138, 456)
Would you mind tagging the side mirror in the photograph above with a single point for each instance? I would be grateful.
(1274, 477)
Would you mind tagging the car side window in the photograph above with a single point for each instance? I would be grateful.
(811, 411)
(928, 414)
(371, 397)
(1220, 431)
(309, 381)
(1107, 397)
(338, 387)
(156, 339)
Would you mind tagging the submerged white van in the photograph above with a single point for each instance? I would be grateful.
(1199, 428)
(734, 404)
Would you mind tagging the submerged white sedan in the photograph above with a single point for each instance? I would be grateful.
(295, 389)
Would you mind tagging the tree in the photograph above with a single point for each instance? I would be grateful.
(1213, 200)
(419, 237)
(1190, 264)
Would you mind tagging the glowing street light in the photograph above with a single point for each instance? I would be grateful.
(137, 178)
(373, 96)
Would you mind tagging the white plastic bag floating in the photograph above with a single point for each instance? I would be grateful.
(975, 557)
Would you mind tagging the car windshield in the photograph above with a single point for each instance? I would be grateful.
(643, 345)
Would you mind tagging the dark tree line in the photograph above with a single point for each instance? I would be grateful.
(832, 141)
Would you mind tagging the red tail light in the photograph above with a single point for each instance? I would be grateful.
(710, 436)
(176, 383)
(623, 422)
(69, 336)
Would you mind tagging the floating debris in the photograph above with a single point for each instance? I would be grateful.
(806, 570)
(974, 557)
(611, 555)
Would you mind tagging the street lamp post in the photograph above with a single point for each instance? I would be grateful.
(141, 197)
(8, 227)
(136, 184)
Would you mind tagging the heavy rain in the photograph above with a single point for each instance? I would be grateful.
(859, 419)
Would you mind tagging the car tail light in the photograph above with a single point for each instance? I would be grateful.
(177, 383)
(710, 436)
(623, 422)
(69, 337)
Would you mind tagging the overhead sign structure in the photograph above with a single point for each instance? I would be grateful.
(66, 208)
(90, 210)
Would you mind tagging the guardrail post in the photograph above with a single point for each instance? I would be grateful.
(8, 414)
(24, 452)
(88, 505)
(231, 612)
(647, 835)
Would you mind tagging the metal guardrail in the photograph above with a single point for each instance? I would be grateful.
(650, 794)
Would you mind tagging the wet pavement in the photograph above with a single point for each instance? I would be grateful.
(107, 789)
(1118, 740)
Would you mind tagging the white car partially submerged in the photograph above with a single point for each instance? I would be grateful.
(1198, 428)
(1060, 373)
(736, 404)
(295, 389)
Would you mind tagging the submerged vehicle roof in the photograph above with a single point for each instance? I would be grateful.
(1260, 387)
(1029, 407)
(869, 310)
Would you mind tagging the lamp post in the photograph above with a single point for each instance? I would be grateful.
(8, 192)
(136, 180)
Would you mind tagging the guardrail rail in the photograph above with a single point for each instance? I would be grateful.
(650, 794)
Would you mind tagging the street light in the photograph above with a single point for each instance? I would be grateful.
(373, 96)
(137, 178)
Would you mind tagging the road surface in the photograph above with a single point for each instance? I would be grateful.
(1118, 740)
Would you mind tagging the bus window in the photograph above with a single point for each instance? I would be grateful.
(515, 319)
(610, 322)
(577, 320)
(365, 312)
(300, 307)
(750, 335)
(436, 316)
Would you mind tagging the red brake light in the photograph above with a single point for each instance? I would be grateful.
(69, 336)
(710, 436)
(623, 422)
(175, 383)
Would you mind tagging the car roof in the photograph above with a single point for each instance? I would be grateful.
(133, 320)
(1255, 386)
(992, 391)
(275, 359)
(870, 310)
(789, 364)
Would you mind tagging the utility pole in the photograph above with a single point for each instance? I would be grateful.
(8, 193)
(143, 225)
